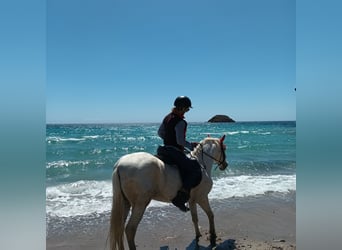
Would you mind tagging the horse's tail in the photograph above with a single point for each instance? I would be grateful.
(117, 218)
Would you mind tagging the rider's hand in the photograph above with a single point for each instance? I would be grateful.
(194, 144)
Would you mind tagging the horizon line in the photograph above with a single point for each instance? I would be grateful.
(137, 122)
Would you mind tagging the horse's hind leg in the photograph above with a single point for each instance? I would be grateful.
(133, 222)
(204, 203)
(127, 207)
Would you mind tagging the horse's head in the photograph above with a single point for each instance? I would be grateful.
(222, 163)
(216, 151)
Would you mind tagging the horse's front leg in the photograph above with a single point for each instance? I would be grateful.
(194, 216)
(204, 203)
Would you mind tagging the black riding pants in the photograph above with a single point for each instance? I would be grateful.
(189, 169)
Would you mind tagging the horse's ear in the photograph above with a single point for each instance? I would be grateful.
(222, 138)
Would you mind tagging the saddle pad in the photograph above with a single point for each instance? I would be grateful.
(165, 159)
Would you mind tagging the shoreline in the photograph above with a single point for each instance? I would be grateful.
(261, 222)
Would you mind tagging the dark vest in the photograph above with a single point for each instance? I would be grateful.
(170, 122)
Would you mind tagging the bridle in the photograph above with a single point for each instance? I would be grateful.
(222, 159)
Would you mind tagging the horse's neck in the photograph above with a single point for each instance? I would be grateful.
(204, 160)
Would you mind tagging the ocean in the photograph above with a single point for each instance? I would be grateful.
(80, 160)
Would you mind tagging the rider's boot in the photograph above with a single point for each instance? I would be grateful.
(182, 197)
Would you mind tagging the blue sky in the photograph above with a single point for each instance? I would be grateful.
(126, 61)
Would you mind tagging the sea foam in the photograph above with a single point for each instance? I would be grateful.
(88, 197)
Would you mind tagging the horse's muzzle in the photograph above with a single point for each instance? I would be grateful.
(223, 165)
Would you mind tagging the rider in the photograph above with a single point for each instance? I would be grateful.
(173, 132)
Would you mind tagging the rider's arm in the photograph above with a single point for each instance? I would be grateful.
(180, 134)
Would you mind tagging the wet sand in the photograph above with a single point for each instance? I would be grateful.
(255, 223)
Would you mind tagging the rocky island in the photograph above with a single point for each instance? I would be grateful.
(221, 118)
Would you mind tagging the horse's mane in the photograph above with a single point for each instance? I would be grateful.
(204, 141)
(210, 139)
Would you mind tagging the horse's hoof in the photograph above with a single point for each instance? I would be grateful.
(213, 240)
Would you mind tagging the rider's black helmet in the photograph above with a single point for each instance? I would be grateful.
(182, 102)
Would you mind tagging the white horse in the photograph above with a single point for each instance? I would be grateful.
(140, 177)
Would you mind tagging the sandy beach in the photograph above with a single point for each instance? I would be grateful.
(256, 223)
